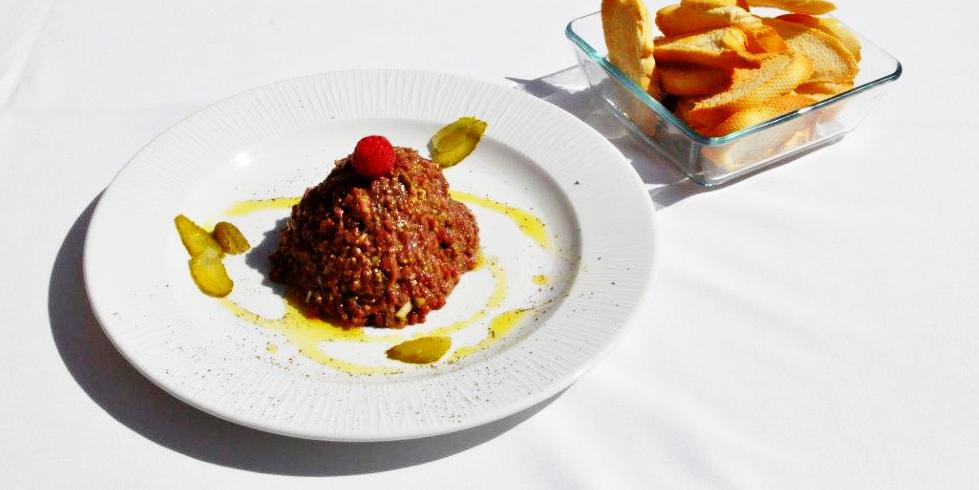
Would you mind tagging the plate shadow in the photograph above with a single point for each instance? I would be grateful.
(109, 380)
(568, 89)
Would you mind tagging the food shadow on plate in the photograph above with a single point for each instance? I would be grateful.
(112, 383)
(258, 257)
(568, 89)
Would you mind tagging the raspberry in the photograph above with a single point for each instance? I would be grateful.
(373, 157)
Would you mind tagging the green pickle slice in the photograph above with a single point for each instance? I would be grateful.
(424, 350)
(230, 238)
(456, 141)
(195, 239)
(210, 275)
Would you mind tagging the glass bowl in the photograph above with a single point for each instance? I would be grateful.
(711, 161)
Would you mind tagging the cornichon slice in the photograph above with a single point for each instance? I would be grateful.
(195, 239)
(230, 238)
(456, 141)
(424, 350)
(210, 275)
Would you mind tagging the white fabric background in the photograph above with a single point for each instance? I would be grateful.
(814, 326)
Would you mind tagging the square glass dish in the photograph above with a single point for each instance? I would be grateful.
(711, 161)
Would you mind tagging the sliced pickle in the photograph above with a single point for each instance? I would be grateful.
(210, 275)
(456, 141)
(424, 350)
(230, 238)
(196, 240)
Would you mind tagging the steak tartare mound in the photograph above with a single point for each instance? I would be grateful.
(380, 250)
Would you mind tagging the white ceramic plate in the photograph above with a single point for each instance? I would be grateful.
(275, 141)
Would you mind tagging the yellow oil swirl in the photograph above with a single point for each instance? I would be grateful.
(249, 206)
(493, 302)
(309, 334)
(498, 328)
(542, 279)
(530, 225)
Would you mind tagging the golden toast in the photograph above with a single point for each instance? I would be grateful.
(717, 3)
(758, 114)
(778, 75)
(811, 7)
(694, 80)
(832, 61)
(703, 122)
(629, 38)
(675, 20)
(829, 26)
(822, 90)
(726, 47)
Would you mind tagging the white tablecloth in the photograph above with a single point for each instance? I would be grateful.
(814, 326)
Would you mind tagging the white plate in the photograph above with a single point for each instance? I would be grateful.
(277, 140)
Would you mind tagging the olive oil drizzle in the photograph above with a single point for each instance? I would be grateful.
(530, 225)
(493, 302)
(498, 328)
(308, 334)
(249, 206)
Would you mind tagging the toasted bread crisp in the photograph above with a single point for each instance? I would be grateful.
(675, 20)
(694, 80)
(784, 137)
(829, 26)
(832, 61)
(761, 113)
(726, 47)
(822, 90)
(811, 7)
(717, 3)
(778, 75)
(703, 122)
(629, 38)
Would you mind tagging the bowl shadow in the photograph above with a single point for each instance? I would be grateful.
(113, 384)
(568, 89)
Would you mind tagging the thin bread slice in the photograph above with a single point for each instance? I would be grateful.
(811, 7)
(832, 61)
(781, 139)
(778, 75)
(829, 26)
(694, 80)
(722, 48)
(761, 113)
(675, 20)
(703, 122)
(628, 36)
(717, 3)
(822, 90)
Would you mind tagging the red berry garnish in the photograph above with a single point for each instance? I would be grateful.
(373, 157)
